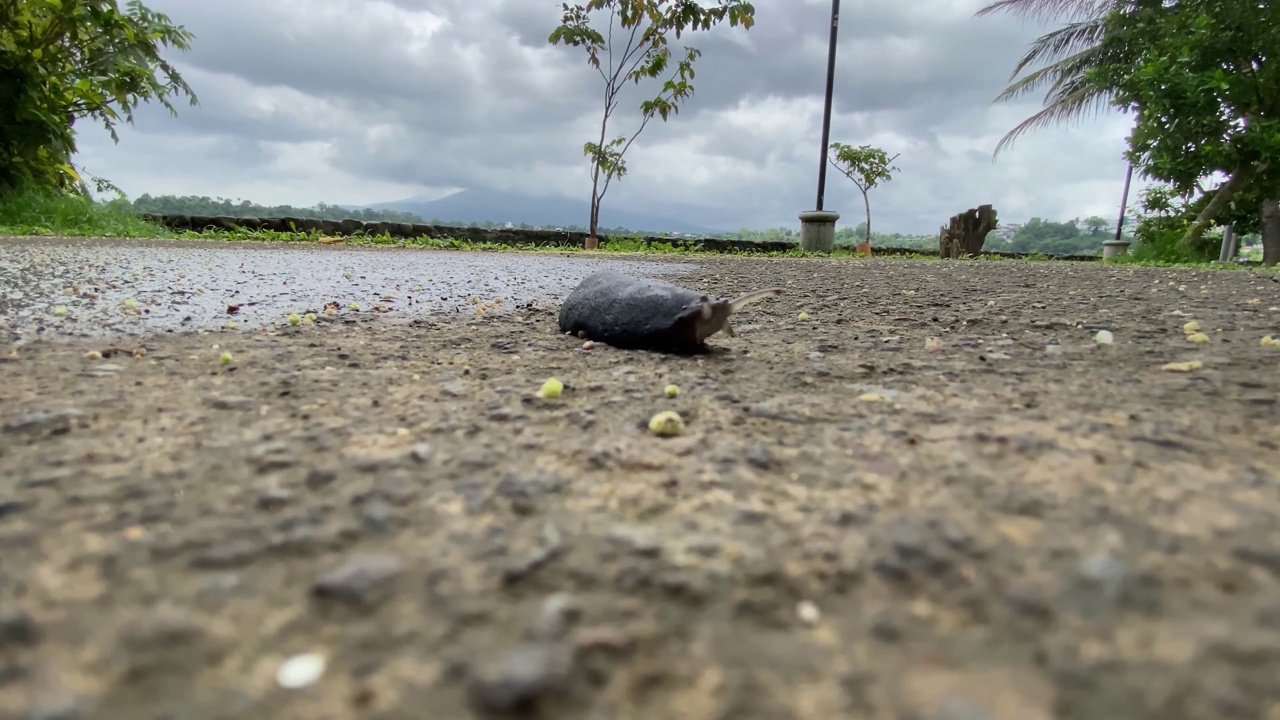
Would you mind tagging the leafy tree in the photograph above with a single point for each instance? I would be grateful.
(1201, 77)
(1038, 235)
(867, 167)
(1095, 225)
(62, 61)
(645, 25)
(1164, 215)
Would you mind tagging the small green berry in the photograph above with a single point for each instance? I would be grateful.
(225, 358)
(551, 389)
(671, 390)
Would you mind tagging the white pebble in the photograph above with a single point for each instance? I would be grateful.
(1104, 337)
(807, 612)
(300, 671)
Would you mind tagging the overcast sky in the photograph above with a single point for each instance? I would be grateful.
(362, 101)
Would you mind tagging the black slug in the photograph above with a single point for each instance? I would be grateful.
(633, 314)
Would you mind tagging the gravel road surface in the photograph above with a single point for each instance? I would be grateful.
(936, 497)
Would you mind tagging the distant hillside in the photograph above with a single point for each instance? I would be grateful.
(495, 206)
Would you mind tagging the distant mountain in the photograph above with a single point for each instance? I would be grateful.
(483, 205)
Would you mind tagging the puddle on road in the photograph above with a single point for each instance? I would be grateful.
(103, 286)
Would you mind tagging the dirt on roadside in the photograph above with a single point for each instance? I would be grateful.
(936, 497)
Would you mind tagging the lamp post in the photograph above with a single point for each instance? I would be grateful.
(818, 226)
(1119, 246)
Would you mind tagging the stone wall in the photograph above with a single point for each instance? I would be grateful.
(512, 237)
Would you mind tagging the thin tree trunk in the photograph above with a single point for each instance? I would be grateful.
(1270, 232)
(593, 240)
(867, 203)
(1239, 180)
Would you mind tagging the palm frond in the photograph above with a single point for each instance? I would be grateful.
(1071, 100)
(1067, 53)
(1058, 73)
(1042, 10)
(1069, 40)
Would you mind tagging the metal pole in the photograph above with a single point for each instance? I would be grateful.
(826, 110)
(1124, 202)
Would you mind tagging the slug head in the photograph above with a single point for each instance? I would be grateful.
(708, 317)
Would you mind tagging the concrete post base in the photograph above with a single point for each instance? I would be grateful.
(818, 230)
(1112, 248)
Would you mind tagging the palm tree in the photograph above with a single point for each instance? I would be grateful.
(1066, 53)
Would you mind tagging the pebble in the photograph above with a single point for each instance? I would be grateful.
(232, 402)
(274, 455)
(56, 421)
(230, 554)
(1263, 555)
(913, 548)
(13, 507)
(557, 614)
(885, 629)
(639, 540)
(808, 612)
(550, 546)
(161, 635)
(519, 680)
(528, 487)
(101, 371)
(17, 627)
(1103, 571)
(318, 477)
(274, 499)
(421, 452)
(362, 581)
(377, 515)
(300, 671)
(758, 456)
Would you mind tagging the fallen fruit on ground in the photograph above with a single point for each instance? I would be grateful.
(667, 423)
(551, 389)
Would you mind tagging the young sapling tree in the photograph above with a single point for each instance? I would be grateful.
(867, 167)
(633, 48)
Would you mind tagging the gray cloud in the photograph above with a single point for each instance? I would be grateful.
(420, 95)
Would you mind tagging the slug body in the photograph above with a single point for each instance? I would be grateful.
(634, 314)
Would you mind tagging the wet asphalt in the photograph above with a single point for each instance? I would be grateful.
(94, 287)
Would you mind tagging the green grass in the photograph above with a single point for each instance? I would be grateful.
(27, 212)
(36, 213)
